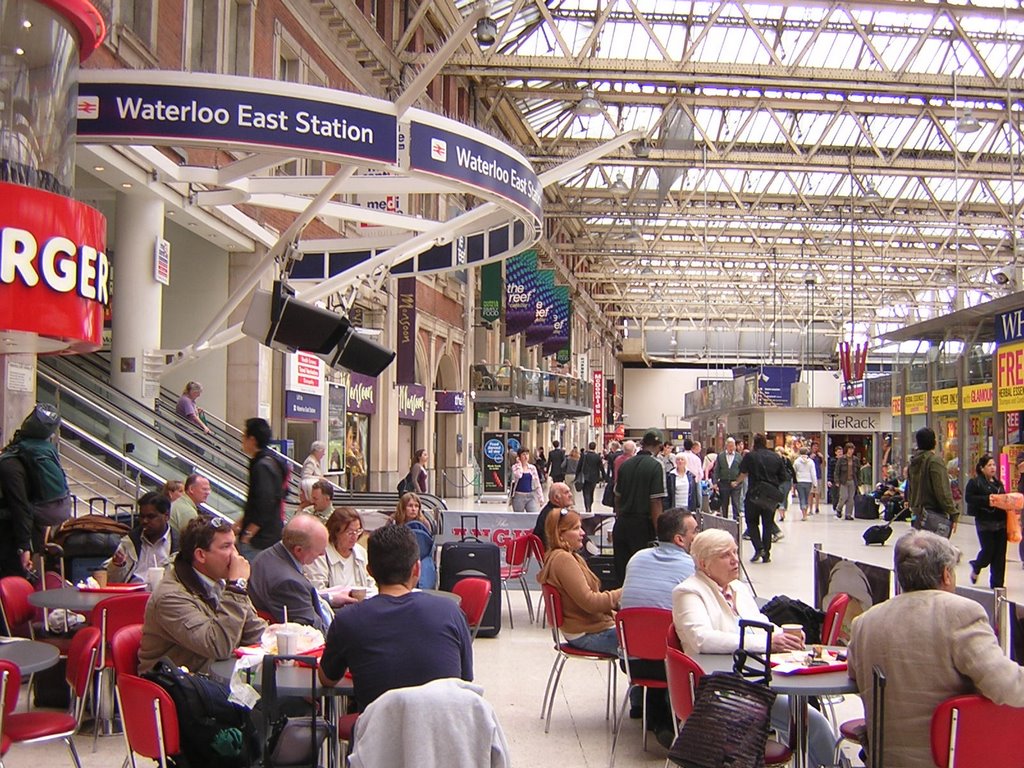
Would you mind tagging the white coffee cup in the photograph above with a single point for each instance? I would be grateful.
(796, 630)
(153, 577)
(287, 642)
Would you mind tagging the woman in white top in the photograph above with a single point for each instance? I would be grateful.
(806, 479)
(706, 609)
(311, 466)
(344, 562)
(527, 495)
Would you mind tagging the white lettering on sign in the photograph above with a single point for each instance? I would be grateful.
(858, 422)
(1013, 324)
(490, 168)
(65, 267)
(359, 394)
(410, 403)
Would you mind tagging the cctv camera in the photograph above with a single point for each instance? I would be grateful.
(1002, 275)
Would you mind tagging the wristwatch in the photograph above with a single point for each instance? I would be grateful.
(238, 585)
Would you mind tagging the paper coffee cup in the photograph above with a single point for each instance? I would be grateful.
(357, 593)
(793, 629)
(100, 575)
(287, 642)
(153, 577)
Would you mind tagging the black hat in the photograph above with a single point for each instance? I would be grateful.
(41, 423)
(653, 437)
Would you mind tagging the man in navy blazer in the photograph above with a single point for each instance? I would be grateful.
(277, 581)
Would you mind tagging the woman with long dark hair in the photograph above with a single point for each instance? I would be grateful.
(989, 522)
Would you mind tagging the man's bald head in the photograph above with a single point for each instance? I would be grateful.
(560, 495)
(305, 537)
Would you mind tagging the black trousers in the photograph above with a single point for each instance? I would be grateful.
(588, 495)
(992, 555)
(760, 521)
(630, 535)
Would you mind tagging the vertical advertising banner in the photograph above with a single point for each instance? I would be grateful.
(544, 322)
(559, 337)
(490, 292)
(520, 287)
(598, 418)
(493, 462)
(405, 367)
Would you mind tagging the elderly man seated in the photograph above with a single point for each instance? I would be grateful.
(706, 609)
(150, 544)
(200, 611)
(931, 644)
(279, 587)
(400, 638)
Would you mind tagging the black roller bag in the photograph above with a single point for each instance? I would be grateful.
(878, 534)
(472, 557)
(866, 508)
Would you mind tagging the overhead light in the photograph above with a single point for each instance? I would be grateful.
(870, 193)
(634, 237)
(619, 188)
(486, 31)
(968, 123)
(99, 168)
(642, 148)
(126, 184)
(20, 51)
(588, 106)
(673, 340)
(26, 24)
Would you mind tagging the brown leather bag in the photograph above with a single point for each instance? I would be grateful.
(88, 524)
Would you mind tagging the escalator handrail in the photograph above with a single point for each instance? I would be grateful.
(151, 475)
(145, 431)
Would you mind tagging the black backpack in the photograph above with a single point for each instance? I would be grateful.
(407, 484)
(215, 733)
(787, 610)
(47, 484)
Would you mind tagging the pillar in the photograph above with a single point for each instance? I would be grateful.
(250, 364)
(137, 297)
(18, 376)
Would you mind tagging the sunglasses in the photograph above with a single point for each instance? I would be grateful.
(219, 523)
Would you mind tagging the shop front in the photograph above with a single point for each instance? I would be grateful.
(412, 410)
(361, 407)
(303, 401)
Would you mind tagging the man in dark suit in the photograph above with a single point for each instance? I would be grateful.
(277, 581)
(591, 471)
(556, 463)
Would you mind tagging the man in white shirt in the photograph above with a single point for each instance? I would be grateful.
(694, 463)
(150, 544)
(186, 506)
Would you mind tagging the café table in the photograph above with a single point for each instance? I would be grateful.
(797, 687)
(71, 598)
(30, 656)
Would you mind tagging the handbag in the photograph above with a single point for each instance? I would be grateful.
(934, 520)
(290, 740)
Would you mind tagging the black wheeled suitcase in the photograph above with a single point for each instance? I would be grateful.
(472, 557)
(866, 508)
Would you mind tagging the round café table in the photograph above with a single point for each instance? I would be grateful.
(797, 687)
(30, 656)
(70, 598)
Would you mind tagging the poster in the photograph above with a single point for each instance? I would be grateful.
(337, 397)
(520, 289)
(493, 462)
(543, 324)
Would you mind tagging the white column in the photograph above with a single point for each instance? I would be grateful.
(18, 377)
(138, 297)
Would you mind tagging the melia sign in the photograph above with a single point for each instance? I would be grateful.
(54, 269)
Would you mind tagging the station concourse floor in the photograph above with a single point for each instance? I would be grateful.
(513, 667)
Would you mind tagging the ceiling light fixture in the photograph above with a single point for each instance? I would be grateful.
(619, 188)
(633, 237)
(968, 123)
(20, 51)
(642, 149)
(26, 24)
(870, 193)
(588, 106)
(486, 31)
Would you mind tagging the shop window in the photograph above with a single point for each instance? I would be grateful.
(202, 38)
(295, 66)
(357, 446)
(238, 38)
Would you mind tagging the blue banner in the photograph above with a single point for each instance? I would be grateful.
(197, 113)
(299, 406)
(520, 292)
(544, 323)
(1009, 326)
(559, 337)
(454, 156)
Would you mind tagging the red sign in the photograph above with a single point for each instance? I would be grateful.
(53, 267)
(598, 419)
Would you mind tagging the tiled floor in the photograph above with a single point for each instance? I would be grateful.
(514, 666)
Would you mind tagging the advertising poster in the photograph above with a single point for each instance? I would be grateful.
(337, 398)
(597, 420)
(490, 292)
(493, 462)
(559, 337)
(405, 367)
(520, 289)
(544, 321)
(1010, 377)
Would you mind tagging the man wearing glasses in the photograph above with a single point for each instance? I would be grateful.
(200, 612)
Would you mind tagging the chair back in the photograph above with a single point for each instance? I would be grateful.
(14, 605)
(835, 614)
(518, 551)
(672, 639)
(82, 655)
(124, 649)
(149, 718)
(642, 631)
(475, 593)
(113, 613)
(537, 546)
(682, 674)
(552, 608)
(971, 730)
(10, 685)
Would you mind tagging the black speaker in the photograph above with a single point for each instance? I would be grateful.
(360, 354)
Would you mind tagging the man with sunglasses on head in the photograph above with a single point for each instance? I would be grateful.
(200, 612)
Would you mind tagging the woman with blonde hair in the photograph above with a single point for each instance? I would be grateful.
(410, 512)
(587, 612)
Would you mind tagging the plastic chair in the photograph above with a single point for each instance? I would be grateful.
(971, 730)
(149, 719)
(672, 639)
(553, 609)
(110, 615)
(640, 633)
(15, 608)
(124, 649)
(683, 675)
(475, 593)
(831, 628)
(518, 554)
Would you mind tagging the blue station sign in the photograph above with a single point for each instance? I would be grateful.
(1009, 326)
(203, 111)
(461, 158)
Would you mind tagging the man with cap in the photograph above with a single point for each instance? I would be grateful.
(20, 468)
(639, 495)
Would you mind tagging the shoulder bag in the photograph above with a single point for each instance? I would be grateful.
(934, 520)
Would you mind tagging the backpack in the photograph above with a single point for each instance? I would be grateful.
(787, 610)
(215, 733)
(47, 489)
(407, 484)
(877, 534)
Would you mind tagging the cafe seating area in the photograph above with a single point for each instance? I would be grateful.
(513, 668)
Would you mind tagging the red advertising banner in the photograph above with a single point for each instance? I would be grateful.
(53, 267)
(598, 419)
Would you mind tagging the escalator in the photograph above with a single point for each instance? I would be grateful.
(82, 382)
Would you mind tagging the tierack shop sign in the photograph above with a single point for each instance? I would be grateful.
(850, 422)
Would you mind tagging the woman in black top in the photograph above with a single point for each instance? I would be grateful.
(989, 521)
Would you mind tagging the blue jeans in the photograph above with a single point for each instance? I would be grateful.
(821, 740)
(803, 492)
(606, 641)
